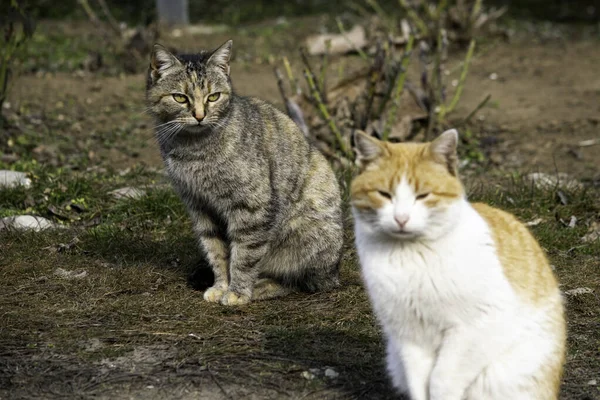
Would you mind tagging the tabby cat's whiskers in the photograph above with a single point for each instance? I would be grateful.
(257, 192)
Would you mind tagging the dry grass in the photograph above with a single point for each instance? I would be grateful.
(136, 318)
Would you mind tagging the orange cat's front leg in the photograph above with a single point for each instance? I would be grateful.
(464, 353)
(409, 366)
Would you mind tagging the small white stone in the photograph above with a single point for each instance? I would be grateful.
(593, 382)
(493, 76)
(26, 222)
(331, 373)
(10, 179)
(307, 375)
(127, 193)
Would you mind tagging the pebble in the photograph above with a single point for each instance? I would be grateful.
(26, 222)
(307, 375)
(331, 373)
(9, 179)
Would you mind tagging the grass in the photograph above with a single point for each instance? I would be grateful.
(137, 308)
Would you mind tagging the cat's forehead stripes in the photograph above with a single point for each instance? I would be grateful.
(410, 166)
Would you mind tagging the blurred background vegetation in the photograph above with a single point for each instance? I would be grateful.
(244, 11)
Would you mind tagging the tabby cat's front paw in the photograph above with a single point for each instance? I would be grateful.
(213, 294)
(234, 299)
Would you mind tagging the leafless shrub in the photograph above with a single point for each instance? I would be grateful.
(374, 98)
(131, 45)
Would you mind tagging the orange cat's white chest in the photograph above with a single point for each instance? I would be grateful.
(439, 283)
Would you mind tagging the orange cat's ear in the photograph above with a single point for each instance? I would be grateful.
(443, 150)
(367, 148)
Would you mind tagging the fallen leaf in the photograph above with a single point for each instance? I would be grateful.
(562, 197)
(553, 181)
(54, 211)
(593, 233)
(338, 43)
(63, 273)
(62, 247)
(579, 291)
(402, 129)
(127, 192)
(534, 222)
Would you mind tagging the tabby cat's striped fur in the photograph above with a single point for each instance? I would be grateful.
(265, 204)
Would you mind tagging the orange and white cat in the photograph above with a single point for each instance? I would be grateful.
(469, 306)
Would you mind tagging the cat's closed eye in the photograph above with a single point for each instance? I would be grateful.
(180, 98)
(422, 196)
(214, 96)
(385, 194)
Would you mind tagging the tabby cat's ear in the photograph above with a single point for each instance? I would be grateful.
(161, 62)
(443, 150)
(220, 57)
(367, 148)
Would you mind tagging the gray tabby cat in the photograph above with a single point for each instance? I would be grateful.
(265, 205)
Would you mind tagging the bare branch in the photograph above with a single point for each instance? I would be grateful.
(325, 114)
(111, 20)
(476, 109)
(399, 88)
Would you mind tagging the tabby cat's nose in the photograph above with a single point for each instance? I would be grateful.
(199, 117)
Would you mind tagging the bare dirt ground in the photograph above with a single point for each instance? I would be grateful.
(137, 329)
(541, 107)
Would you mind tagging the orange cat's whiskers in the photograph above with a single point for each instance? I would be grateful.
(467, 299)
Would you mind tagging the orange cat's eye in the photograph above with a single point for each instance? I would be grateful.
(384, 194)
(422, 196)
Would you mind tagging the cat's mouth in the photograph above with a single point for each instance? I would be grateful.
(196, 127)
(403, 234)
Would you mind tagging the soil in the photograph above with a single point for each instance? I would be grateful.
(540, 109)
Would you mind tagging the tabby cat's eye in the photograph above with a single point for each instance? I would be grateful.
(180, 98)
(214, 97)
(422, 196)
(384, 194)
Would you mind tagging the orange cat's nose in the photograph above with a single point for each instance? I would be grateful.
(401, 219)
